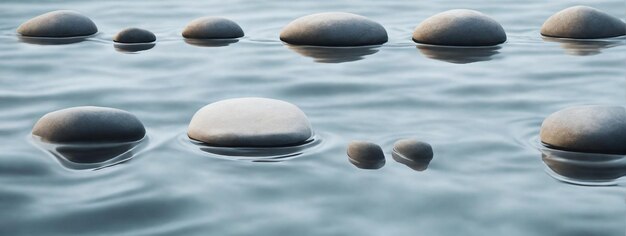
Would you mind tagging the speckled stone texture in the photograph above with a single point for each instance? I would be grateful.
(582, 22)
(61, 23)
(460, 27)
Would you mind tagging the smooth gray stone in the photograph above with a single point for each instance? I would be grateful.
(412, 153)
(334, 29)
(366, 155)
(250, 122)
(210, 27)
(594, 129)
(62, 23)
(460, 27)
(583, 22)
(134, 35)
(89, 124)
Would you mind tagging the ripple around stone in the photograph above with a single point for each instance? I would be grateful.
(253, 154)
(459, 55)
(334, 54)
(211, 42)
(579, 168)
(51, 41)
(91, 156)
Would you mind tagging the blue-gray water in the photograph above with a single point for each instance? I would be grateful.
(482, 118)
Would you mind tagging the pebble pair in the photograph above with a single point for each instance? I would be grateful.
(412, 153)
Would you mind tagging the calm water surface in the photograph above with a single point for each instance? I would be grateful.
(480, 109)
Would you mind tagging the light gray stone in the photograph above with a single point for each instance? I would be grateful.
(460, 27)
(583, 22)
(250, 122)
(89, 124)
(210, 27)
(62, 23)
(415, 154)
(334, 29)
(134, 35)
(366, 155)
(595, 129)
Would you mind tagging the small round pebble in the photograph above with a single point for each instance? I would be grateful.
(250, 122)
(366, 155)
(413, 153)
(210, 27)
(134, 35)
(583, 22)
(334, 29)
(61, 23)
(89, 124)
(460, 27)
(594, 129)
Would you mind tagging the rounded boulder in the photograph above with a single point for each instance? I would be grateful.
(583, 22)
(593, 129)
(210, 27)
(89, 124)
(334, 29)
(460, 27)
(61, 23)
(250, 122)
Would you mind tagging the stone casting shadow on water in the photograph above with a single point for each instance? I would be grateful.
(51, 41)
(211, 42)
(459, 55)
(132, 48)
(256, 154)
(334, 54)
(578, 47)
(591, 169)
(92, 156)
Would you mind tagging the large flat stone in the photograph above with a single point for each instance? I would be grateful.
(334, 29)
(595, 129)
(89, 124)
(460, 27)
(250, 122)
(61, 23)
(210, 27)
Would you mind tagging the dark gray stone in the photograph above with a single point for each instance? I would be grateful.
(250, 122)
(582, 22)
(460, 27)
(594, 129)
(212, 28)
(89, 125)
(134, 35)
(334, 29)
(366, 155)
(412, 153)
(62, 23)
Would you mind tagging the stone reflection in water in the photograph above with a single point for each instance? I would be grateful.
(92, 156)
(584, 47)
(132, 48)
(211, 42)
(334, 54)
(255, 154)
(584, 168)
(51, 41)
(459, 55)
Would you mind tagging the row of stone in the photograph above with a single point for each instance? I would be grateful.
(263, 122)
(460, 27)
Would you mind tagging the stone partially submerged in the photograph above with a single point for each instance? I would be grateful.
(210, 27)
(55, 24)
(366, 155)
(89, 124)
(134, 35)
(334, 29)
(414, 154)
(593, 129)
(583, 22)
(460, 27)
(250, 122)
